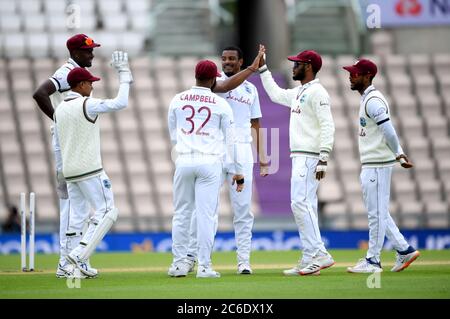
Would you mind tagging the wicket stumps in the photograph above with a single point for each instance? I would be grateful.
(23, 231)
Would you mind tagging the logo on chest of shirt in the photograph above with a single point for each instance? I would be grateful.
(239, 99)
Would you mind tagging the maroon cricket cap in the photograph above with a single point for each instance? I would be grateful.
(308, 56)
(78, 75)
(362, 67)
(80, 41)
(206, 69)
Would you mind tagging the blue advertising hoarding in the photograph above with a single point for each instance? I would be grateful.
(276, 240)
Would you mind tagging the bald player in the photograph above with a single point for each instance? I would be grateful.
(379, 150)
(48, 96)
(78, 133)
(201, 128)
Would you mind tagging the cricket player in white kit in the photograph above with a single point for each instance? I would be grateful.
(244, 102)
(201, 128)
(311, 137)
(78, 133)
(379, 150)
(48, 96)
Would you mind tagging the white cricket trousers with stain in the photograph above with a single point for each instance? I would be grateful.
(195, 187)
(96, 193)
(304, 206)
(376, 187)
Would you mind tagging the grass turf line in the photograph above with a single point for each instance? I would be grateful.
(144, 275)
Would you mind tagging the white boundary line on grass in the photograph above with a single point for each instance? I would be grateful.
(220, 267)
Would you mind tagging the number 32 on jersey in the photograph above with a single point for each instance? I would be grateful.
(189, 119)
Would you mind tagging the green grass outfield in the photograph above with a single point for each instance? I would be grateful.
(144, 275)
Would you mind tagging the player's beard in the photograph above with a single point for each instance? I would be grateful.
(357, 86)
(229, 74)
(300, 75)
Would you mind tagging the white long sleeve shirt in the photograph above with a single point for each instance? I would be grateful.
(78, 132)
(378, 141)
(311, 127)
(201, 126)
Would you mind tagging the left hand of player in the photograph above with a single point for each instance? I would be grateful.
(404, 161)
(321, 169)
(239, 179)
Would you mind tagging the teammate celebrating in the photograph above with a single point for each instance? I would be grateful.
(199, 123)
(311, 137)
(379, 149)
(78, 132)
(244, 102)
(48, 96)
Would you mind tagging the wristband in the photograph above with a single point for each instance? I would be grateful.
(263, 69)
(323, 157)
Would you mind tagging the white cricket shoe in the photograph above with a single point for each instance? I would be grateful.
(92, 269)
(207, 272)
(64, 270)
(82, 266)
(180, 269)
(317, 263)
(363, 266)
(295, 271)
(244, 269)
(403, 261)
(191, 263)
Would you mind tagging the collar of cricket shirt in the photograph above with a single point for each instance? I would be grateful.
(369, 89)
(305, 86)
(72, 61)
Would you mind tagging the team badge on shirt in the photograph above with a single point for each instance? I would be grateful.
(107, 183)
(362, 121)
(303, 98)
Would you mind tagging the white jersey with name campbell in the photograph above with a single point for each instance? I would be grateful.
(244, 102)
(373, 147)
(198, 122)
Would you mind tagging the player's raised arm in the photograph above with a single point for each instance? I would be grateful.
(42, 97)
(237, 79)
(119, 61)
(276, 94)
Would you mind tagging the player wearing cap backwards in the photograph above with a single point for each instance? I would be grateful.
(311, 137)
(78, 134)
(48, 96)
(379, 149)
(201, 128)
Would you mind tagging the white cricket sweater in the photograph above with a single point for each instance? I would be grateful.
(311, 127)
(374, 110)
(79, 139)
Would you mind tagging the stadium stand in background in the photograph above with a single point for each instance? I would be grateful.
(160, 37)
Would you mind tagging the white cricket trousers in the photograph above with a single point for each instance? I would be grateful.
(196, 187)
(376, 187)
(304, 206)
(64, 203)
(94, 192)
(241, 203)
